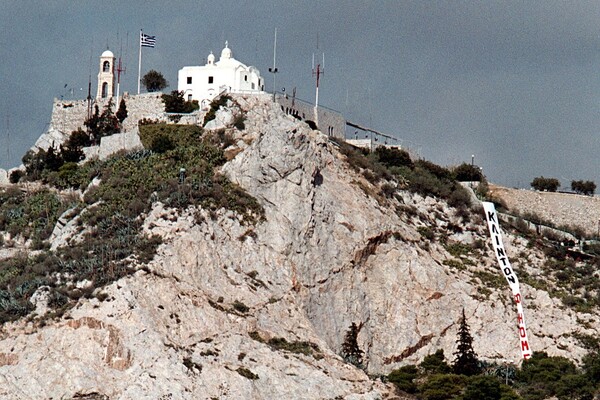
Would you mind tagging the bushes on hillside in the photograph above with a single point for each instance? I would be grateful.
(540, 377)
(175, 103)
(545, 184)
(45, 164)
(393, 157)
(421, 176)
(583, 187)
(467, 173)
(101, 125)
(129, 184)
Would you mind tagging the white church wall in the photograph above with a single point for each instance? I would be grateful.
(203, 83)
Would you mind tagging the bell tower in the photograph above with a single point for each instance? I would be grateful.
(106, 76)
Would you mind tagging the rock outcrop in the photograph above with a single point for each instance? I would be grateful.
(234, 311)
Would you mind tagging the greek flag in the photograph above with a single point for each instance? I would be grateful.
(147, 40)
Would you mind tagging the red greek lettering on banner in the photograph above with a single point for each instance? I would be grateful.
(522, 332)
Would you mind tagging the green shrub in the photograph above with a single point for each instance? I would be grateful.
(129, 184)
(178, 135)
(459, 197)
(435, 363)
(545, 184)
(175, 103)
(393, 157)
(587, 188)
(458, 249)
(483, 388)
(246, 373)
(542, 375)
(161, 144)
(442, 387)
(215, 104)
(426, 232)
(240, 307)
(434, 169)
(15, 176)
(467, 173)
(403, 378)
(300, 347)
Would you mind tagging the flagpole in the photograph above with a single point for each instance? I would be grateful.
(140, 63)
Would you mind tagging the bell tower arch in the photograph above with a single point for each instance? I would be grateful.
(106, 76)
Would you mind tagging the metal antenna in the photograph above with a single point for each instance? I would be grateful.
(7, 139)
(89, 96)
(120, 69)
(318, 71)
(274, 70)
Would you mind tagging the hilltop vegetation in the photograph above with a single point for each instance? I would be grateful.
(235, 284)
(178, 171)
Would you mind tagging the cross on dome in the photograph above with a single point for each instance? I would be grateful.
(226, 53)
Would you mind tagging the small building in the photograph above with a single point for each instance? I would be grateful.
(106, 75)
(203, 83)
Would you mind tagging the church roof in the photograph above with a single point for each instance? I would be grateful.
(107, 53)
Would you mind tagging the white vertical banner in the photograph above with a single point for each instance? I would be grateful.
(509, 274)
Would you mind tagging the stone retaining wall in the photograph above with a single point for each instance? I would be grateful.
(3, 177)
(561, 208)
(330, 122)
(69, 115)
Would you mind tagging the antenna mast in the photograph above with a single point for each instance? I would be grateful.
(318, 71)
(120, 69)
(274, 70)
(89, 96)
(7, 139)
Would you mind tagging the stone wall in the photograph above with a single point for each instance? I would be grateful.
(110, 145)
(330, 122)
(562, 209)
(3, 177)
(69, 115)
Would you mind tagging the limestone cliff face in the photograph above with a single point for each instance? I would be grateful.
(203, 319)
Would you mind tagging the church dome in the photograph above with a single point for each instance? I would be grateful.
(226, 53)
(211, 58)
(107, 53)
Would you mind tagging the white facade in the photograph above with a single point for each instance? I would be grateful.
(203, 83)
(106, 76)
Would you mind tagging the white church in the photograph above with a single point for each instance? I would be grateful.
(203, 83)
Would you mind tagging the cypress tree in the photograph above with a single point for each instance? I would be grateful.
(351, 353)
(122, 111)
(465, 362)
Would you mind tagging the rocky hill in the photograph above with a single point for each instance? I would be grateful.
(231, 307)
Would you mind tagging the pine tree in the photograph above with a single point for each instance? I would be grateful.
(465, 362)
(351, 353)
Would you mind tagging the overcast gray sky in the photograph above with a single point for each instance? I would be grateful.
(516, 83)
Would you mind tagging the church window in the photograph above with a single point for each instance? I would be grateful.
(105, 66)
(210, 79)
(189, 97)
(189, 80)
(245, 78)
(253, 86)
(104, 90)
